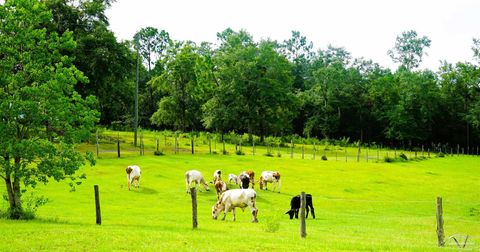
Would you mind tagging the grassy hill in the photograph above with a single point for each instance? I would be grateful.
(359, 206)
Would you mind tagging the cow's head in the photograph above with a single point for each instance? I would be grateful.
(262, 182)
(129, 171)
(290, 212)
(216, 209)
(205, 185)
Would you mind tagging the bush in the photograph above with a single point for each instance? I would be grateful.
(239, 152)
(158, 153)
(440, 154)
(268, 154)
(324, 157)
(388, 160)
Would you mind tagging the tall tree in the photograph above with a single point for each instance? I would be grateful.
(42, 116)
(151, 43)
(108, 64)
(184, 93)
(254, 87)
(409, 49)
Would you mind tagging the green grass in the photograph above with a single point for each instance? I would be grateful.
(359, 206)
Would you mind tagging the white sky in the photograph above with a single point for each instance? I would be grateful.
(366, 28)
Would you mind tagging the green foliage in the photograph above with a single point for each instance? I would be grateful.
(43, 116)
(403, 157)
(324, 158)
(440, 155)
(158, 153)
(388, 160)
(409, 49)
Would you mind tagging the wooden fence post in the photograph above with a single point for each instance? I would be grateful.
(303, 228)
(395, 152)
(314, 151)
(224, 151)
(346, 155)
(463, 151)
(336, 154)
(97, 205)
(358, 152)
(253, 147)
(440, 233)
(422, 151)
(278, 151)
(96, 144)
(209, 143)
(193, 193)
(193, 144)
(141, 143)
(176, 143)
(428, 152)
(118, 145)
(458, 150)
(291, 149)
(303, 151)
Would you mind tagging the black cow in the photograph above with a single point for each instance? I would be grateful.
(295, 206)
(243, 180)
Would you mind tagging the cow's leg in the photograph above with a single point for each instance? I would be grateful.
(296, 213)
(279, 182)
(306, 208)
(234, 216)
(227, 209)
(313, 211)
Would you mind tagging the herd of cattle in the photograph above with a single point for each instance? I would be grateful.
(228, 200)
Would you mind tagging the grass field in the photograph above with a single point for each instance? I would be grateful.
(359, 206)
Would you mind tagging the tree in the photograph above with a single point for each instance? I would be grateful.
(151, 44)
(108, 64)
(42, 116)
(409, 49)
(184, 93)
(254, 87)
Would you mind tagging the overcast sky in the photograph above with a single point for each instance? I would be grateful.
(366, 28)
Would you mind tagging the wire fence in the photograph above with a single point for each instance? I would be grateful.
(112, 143)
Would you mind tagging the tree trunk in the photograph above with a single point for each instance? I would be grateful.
(13, 191)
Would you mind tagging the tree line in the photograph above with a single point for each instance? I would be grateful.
(269, 87)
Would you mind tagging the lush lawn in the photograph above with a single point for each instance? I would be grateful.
(359, 206)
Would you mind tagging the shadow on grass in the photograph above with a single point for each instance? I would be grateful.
(144, 190)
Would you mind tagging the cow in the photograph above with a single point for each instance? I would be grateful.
(133, 175)
(232, 177)
(194, 176)
(220, 187)
(251, 176)
(231, 199)
(217, 175)
(295, 206)
(272, 177)
(243, 181)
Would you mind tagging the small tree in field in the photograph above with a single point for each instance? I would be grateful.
(41, 115)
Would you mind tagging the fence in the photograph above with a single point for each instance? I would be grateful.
(110, 144)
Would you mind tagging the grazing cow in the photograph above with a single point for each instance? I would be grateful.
(272, 177)
(295, 206)
(231, 199)
(217, 175)
(133, 175)
(243, 181)
(220, 187)
(232, 177)
(251, 175)
(194, 176)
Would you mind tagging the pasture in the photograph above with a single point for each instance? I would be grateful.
(359, 206)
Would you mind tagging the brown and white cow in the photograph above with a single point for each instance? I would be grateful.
(195, 177)
(272, 177)
(217, 175)
(133, 175)
(231, 199)
(220, 187)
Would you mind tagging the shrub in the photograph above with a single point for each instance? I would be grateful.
(158, 153)
(239, 152)
(440, 154)
(324, 157)
(268, 154)
(388, 160)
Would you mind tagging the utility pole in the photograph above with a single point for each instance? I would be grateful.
(135, 121)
